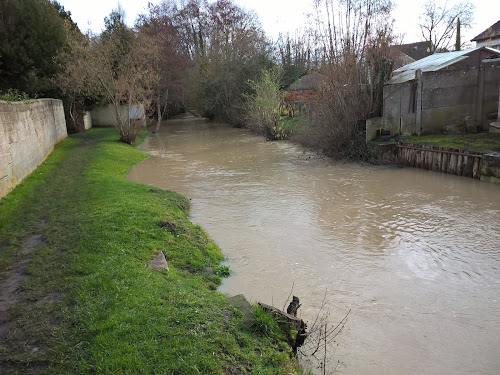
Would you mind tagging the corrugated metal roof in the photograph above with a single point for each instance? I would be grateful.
(432, 63)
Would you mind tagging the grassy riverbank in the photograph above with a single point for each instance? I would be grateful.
(76, 236)
(480, 142)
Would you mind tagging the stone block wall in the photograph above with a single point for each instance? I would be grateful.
(28, 133)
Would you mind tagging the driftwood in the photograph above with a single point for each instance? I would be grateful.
(293, 306)
(290, 317)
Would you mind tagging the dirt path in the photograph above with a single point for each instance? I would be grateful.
(11, 283)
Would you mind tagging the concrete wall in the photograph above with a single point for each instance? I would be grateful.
(373, 126)
(448, 97)
(105, 116)
(28, 133)
(445, 101)
(400, 108)
(495, 125)
(87, 120)
(491, 93)
(490, 168)
(392, 107)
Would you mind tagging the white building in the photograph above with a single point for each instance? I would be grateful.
(489, 37)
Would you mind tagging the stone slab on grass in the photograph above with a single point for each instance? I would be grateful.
(159, 262)
(240, 302)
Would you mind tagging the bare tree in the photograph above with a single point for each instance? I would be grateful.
(294, 56)
(227, 47)
(354, 37)
(125, 79)
(116, 68)
(438, 23)
(171, 61)
(74, 80)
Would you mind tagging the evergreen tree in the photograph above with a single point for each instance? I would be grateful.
(32, 33)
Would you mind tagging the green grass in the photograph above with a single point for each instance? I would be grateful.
(480, 142)
(90, 305)
(287, 126)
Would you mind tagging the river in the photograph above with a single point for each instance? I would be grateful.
(415, 255)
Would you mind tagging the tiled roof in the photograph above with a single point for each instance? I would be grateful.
(491, 32)
(416, 51)
(309, 81)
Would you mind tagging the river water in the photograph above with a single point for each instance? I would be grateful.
(415, 255)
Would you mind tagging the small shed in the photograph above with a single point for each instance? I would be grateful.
(442, 93)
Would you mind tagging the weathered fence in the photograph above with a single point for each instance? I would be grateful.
(440, 159)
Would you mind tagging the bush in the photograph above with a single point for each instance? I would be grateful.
(263, 108)
(336, 119)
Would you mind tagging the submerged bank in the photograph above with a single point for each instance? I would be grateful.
(77, 297)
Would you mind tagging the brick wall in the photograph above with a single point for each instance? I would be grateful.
(28, 133)
(300, 96)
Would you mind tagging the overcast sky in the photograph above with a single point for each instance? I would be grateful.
(280, 15)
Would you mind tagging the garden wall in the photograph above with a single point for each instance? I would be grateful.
(28, 133)
(105, 116)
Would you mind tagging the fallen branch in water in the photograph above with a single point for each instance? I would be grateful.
(321, 339)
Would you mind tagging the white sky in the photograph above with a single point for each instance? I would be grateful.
(280, 15)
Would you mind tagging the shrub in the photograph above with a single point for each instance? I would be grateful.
(263, 108)
(14, 95)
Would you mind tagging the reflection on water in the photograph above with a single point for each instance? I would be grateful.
(414, 254)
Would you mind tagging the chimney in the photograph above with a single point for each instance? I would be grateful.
(458, 43)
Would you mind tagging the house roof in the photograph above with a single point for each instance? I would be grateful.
(310, 81)
(491, 32)
(416, 51)
(432, 63)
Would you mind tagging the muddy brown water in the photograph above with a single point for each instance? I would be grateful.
(414, 254)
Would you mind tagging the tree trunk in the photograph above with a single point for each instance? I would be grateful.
(159, 114)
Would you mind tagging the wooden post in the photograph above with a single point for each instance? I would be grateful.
(418, 109)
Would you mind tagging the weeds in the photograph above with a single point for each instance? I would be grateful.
(14, 95)
(266, 323)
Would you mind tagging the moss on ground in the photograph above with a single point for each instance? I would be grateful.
(89, 304)
(480, 142)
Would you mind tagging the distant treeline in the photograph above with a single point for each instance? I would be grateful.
(213, 57)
